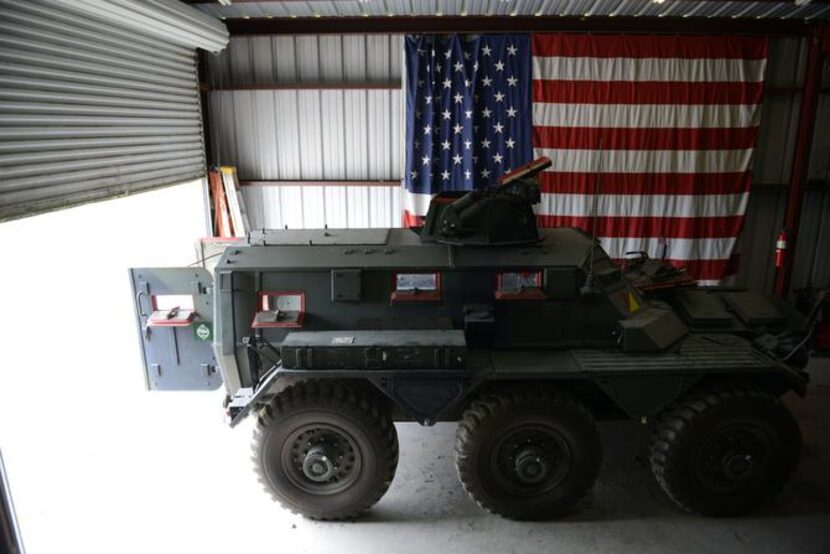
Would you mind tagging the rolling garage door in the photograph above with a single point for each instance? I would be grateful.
(94, 104)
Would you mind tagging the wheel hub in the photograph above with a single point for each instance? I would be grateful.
(318, 465)
(738, 466)
(531, 467)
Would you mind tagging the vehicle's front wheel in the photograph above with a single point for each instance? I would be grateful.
(528, 454)
(325, 450)
(724, 451)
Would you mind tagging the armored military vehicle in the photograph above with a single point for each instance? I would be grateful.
(527, 337)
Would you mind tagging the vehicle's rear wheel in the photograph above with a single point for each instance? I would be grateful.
(724, 451)
(527, 455)
(325, 450)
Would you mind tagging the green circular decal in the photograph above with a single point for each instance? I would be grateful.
(202, 331)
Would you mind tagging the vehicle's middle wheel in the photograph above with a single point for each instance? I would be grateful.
(527, 455)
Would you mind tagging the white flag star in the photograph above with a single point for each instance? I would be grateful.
(448, 53)
(445, 175)
(428, 99)
(486, 112)
(425, 159)
(467, 174)
(485, 172)
(511, 111)
(487, 81)
(427, 130)
(468, 114)
(466, 55)
(420, 82)
(467, 83)
(446, 114)
(457, 129)
(467, 144)
(510, 143)
(485, 50)
(485, 143)
(499, 97)
(497, 158)
(445, 145)
(498, 127)
(511, 50)
(499, 65)
(413, 175)
(447, 83)
(512, 81)
(438, 68)
(456, 159)
(458, 66)
(458, 98)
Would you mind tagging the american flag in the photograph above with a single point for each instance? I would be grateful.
(468, 114)
(677, 118)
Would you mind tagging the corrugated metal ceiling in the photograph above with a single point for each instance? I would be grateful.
(567, 8)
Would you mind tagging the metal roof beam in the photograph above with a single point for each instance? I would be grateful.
(492, 24)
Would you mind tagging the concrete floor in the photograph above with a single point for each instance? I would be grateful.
(97, 465)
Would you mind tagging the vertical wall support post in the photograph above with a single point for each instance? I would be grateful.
(816, 47)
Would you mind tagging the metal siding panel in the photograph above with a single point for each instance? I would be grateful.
(377, 66)
(265, 131)
(285, 59)
(90, 110)
(330, 48)
(820, 154)
(776, 136)
(333, 135)
(311, 140)
(288, 134)
(308, 60)
(356, 132)
(223, 130)
(239, 55)
(354, 58)
(262, 60)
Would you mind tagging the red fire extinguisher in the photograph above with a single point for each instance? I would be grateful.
(781, 248)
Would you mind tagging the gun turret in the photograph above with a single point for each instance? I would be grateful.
(499, 215)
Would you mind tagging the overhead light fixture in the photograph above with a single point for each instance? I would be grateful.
(658, 1)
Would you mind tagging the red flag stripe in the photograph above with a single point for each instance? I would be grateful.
(649, 46)
(412, 220)
(652, 227)
(628, 138)
(648, 92)
(645, 183)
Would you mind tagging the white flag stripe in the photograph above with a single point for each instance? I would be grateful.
(648, 205)
(646, 116)
(415, 203)
(647, 161)
(676, 249)
(648, 69)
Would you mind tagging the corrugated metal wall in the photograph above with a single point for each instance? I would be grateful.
(311, 134)
(310, 108)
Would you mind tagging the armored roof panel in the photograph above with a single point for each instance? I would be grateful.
(401, 248)
(310, 237)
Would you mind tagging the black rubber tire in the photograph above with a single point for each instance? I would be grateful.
(490, 420)
(352, 410)
(678, 449)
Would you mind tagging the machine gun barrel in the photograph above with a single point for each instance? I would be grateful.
(527, 170)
